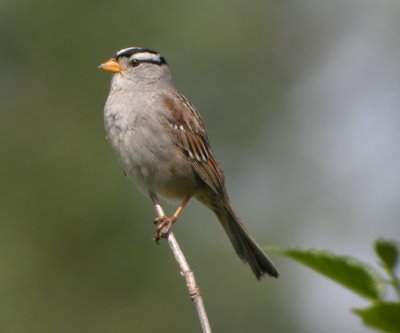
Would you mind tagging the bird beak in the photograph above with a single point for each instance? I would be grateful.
(111, 66)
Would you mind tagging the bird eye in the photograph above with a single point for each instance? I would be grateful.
(135, 62)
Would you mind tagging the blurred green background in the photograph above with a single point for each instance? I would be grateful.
(301, 99)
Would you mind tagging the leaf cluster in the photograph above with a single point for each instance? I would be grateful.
(361, 278)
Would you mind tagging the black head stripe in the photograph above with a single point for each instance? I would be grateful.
(131, 51)
(161, 61)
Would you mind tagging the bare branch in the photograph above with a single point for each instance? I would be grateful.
(194, 290)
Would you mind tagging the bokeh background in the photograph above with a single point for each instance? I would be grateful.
(302, 103)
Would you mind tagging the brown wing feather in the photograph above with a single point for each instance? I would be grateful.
(191, 136)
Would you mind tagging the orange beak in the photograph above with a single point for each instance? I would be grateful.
(111, 66)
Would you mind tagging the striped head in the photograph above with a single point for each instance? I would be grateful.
(137, 64)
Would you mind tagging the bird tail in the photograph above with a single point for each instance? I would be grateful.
(243, 242)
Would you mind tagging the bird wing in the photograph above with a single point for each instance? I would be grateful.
(190, 135)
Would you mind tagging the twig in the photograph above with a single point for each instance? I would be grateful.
(194, 290)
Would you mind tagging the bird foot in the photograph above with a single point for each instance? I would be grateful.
(164, 226)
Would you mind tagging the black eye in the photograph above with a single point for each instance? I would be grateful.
(134, 62)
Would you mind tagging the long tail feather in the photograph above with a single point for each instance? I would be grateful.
(243, 242)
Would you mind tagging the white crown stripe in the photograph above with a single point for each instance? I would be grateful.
(146, 56)
(126, 49)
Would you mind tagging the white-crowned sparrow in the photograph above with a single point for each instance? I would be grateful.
(162, 145)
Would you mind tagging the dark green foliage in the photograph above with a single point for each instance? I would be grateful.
(362, 279)
(388, 253)
(382, 316)
(349, 272)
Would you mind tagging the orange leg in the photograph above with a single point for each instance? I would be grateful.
(164, 223)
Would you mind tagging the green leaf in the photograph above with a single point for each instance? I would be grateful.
(382, 316)
(388, 253)
(349, 272)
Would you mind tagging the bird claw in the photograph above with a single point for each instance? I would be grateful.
(164, 226)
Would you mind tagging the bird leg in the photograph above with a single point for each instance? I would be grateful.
(165, 223)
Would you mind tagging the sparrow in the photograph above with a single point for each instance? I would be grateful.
(162, 145)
